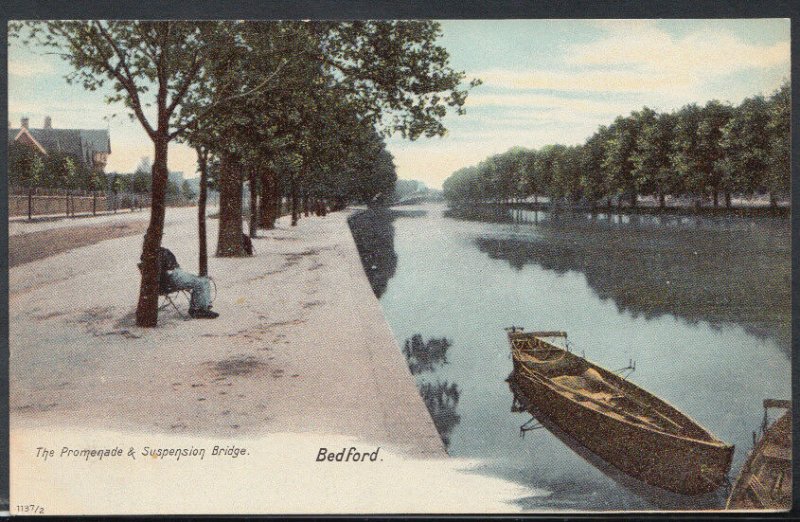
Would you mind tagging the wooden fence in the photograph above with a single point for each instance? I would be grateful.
(56, 202)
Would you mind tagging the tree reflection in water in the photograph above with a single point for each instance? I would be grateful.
(425, 357)
(718, 270)
(441, 398)
(373, 232)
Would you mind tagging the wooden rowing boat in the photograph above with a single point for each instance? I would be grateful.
(658, 498)
(623, 424)
(765, 481)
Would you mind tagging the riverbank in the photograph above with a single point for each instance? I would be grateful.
(755, 210)
(301, 354)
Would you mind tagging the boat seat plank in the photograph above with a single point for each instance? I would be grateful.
(762, 494)
(777, 403)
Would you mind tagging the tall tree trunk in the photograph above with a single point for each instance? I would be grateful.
(773, 200)
(202, 159)
(229, 243)
(94, 202)
(662, 201)
(30, 203)
(727, 200)
(267, 206)
(715, 193)
(253, 203)
(295, 201)
(147, 308)
(634, 198)
(306, 210)
(276, 200)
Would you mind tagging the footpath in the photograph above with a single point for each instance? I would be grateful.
(300, 359)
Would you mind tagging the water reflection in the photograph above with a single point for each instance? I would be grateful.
(441, 398)
(659, 498)
(697, 268)
(374, 236)
(425, 357)
(373, 232)
(445, 284)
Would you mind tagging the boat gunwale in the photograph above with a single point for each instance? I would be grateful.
(740, 485)
(715, 442)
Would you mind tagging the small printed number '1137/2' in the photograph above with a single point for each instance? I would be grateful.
(30, 508)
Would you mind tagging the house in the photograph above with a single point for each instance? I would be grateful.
(89, 146)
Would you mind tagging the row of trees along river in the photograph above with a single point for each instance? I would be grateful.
(700, 152)
(296, 109)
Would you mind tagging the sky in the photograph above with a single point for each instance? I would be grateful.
(544, 82)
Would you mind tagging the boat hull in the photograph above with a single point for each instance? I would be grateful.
(765, 481)
(673, 463)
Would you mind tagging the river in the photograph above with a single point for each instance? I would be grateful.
(701, 305)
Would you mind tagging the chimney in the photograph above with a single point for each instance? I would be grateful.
(48, 122)
(24, 123)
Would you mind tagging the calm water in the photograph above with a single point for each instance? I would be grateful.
(701, 305)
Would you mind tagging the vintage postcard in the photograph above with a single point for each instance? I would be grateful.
(399, 266)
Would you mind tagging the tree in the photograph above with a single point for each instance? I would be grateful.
(142, 180)
(779, 173)
(67, 175)
(119, 184)
(136, 57)
(187, 190)
(745, 144)
(687, 152)
(173, 192)
(96, 181)
(593, 181)
(651, 157)
(25, 167)
(226, 113)
(566, 180)
(714, 117)
(620, 151)
(529, 177)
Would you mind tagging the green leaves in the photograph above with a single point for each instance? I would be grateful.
(697, 150)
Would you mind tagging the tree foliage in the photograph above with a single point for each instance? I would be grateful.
(700, 152)
(301, 106)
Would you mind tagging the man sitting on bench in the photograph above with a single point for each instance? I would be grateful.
(171, 277)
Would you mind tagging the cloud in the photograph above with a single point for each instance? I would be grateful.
(698, 54)
(578, 81)
(638, 57)
(546, 101)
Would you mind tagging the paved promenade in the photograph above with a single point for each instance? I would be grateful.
(301, 344)
(300, 359)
